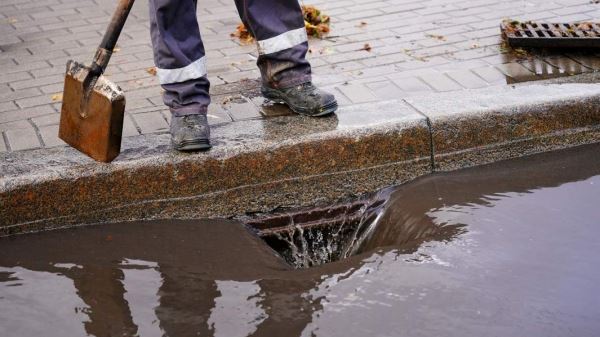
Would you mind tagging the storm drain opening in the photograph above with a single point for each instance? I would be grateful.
(320, 235)
(551, 35)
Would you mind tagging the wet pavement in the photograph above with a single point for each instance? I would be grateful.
(379, 50)
(505, 249)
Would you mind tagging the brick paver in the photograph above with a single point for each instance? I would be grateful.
(385, 90)
(378, 49)
(22, 139)
(129, 128)
(357, 93)
(240, 108)
(150, 122)
(49, 134)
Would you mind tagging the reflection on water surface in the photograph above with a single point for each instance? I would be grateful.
(508, 249)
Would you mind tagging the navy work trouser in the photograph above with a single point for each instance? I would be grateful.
(277, 25)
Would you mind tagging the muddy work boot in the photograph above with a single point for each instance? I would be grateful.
(190, 133)
(305, 99)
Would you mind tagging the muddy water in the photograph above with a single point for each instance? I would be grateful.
(509, 249)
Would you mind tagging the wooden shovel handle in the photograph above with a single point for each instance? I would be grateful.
(111, 36)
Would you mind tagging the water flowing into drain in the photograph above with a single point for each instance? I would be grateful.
(311, 238)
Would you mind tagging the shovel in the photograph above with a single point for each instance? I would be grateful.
(91, 117)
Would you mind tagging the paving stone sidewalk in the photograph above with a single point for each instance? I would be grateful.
(377, 50)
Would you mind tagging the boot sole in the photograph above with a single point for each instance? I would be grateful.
(325, 110)
(193, 145)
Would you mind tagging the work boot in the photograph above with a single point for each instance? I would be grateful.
(305, 99)
(190, 133)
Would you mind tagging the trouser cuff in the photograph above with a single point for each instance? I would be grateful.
(189, 110)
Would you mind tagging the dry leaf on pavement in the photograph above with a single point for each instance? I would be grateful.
(437, 37)
(243, 34)
(315, 22)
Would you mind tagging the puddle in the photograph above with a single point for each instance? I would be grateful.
(541, 64)
(271, 109)
(507, 249)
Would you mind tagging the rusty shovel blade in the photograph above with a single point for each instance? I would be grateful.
(91, 117)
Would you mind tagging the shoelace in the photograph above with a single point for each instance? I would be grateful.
(189, 121)
(308, 86)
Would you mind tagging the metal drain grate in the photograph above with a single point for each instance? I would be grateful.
(552, 35)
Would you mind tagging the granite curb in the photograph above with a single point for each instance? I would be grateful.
(481, 126)
(291, 161)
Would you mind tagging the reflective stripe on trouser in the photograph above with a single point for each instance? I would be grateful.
(278, 27)
(179, 56)
(179, 53)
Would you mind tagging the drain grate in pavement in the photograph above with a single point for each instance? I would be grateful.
(308, 238)
(552, 35)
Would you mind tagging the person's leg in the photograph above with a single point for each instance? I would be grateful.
(278, 27)
(181, 70)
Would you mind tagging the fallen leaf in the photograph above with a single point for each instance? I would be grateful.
(585, 26)
(326, 51)
(57, 97)
(437, 37)
(243, 34)
(151, 71)
(362, 24)
(315, 22)
(366, 47)
(510, 26)
(410, 53)
(520, 52)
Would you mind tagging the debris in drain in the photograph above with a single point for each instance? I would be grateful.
(551, 35)
(518, 52)
(315, 22)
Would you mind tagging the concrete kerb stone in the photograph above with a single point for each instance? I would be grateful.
(487, 125)
(256, 165)
(291, 161)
